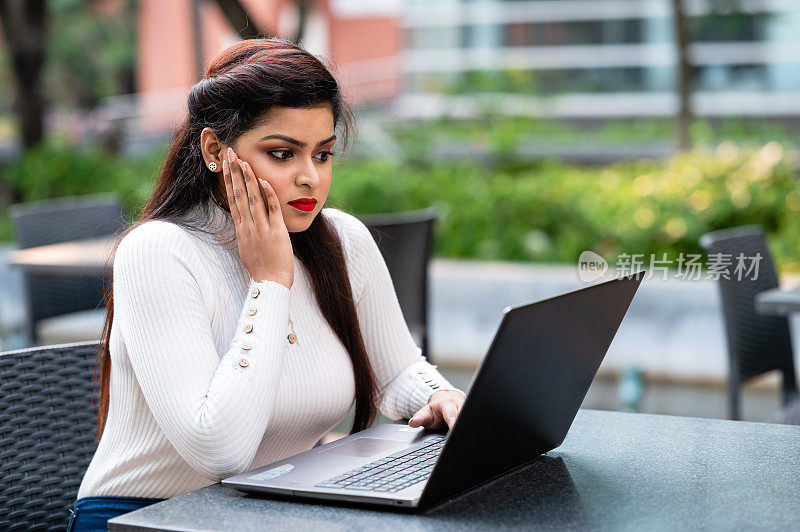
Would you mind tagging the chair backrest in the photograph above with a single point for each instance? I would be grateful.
(405, 240)
(47, 432)
(58, 220)
(756, 343)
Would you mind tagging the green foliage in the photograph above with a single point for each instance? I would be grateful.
(56, 169)
(90, 55)
(507, 80)
(553, 211)
(548, 212)
(496, 130)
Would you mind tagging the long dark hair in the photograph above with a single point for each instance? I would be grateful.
(240, 85)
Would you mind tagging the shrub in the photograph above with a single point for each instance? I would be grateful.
(548, 212)
(552, 211)
(56, 169)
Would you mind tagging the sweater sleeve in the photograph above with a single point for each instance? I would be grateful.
(212, 407)
(406, 378)
(411, 389)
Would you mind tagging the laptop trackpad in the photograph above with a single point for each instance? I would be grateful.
(363, 447)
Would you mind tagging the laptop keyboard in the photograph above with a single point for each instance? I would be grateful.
(391, 473)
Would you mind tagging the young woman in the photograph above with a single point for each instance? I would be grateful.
(245, 320)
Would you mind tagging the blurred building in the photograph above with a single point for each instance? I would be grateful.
(604, 58)
(359, 39)
(560, 58)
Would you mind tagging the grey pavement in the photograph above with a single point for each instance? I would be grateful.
(673, 328)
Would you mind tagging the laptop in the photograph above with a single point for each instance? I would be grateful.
(519, 405)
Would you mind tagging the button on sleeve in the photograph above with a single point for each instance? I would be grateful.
(256, 320)
(194, 392)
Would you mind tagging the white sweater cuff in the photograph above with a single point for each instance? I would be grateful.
(411, 389)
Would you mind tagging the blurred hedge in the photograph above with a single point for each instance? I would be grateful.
(55, 168)
(552, 211)
(547, 212)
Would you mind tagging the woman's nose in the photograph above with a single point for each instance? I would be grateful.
(308, 174)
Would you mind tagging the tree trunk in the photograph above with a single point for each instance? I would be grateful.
(237, 15)
(24, 27)
(197, 26)
(684, 73)
(302, 15)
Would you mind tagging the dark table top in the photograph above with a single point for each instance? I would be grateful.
(614, 470)
(778, 302)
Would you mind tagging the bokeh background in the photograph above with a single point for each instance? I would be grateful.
(538, 128)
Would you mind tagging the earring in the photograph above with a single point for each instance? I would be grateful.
(212, 166)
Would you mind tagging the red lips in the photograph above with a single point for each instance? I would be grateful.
(304, 204)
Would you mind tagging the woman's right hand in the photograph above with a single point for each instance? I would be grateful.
(264, 245)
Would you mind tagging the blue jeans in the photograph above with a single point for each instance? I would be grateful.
(91, 513)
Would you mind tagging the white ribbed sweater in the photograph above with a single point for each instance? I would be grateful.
(190, 404)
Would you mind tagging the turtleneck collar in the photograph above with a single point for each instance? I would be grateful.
(215, 222)
(219, 218)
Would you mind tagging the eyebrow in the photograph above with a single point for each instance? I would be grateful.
(295, 141)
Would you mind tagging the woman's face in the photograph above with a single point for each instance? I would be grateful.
(291, 150)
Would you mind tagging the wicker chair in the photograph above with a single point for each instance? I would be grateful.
(57, 220)
(756, 343)
(404, 239)
(47, 432)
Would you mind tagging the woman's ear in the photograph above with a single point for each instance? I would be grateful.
(212, 148)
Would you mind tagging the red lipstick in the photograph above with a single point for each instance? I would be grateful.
(304, 204)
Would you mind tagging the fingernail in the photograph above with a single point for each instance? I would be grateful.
(231, 155)
(263, 183)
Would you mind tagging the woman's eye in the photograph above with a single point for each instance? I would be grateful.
(326, 155)
(284, 154)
